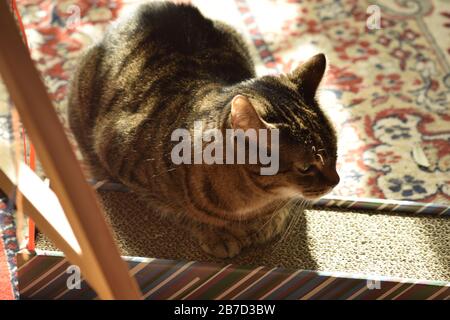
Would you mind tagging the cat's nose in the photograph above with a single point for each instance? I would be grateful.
(333, 178)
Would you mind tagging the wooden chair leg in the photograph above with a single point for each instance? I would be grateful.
(102, 265)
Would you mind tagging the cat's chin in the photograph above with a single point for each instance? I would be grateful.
(295, 193)
(311, 197)
(315, 195)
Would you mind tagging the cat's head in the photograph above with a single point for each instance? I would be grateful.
(307, 139)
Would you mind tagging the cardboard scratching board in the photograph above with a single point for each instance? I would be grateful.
(346, 252)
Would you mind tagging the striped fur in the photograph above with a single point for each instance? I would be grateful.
(164, 68)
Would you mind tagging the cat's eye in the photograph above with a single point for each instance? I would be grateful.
(305, 168)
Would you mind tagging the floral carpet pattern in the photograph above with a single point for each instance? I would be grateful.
(387, 89)
(8, 250)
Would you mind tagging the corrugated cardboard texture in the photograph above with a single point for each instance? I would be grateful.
(324, 240)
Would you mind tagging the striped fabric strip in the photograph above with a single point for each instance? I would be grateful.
(184, 289)
(40, 289)
(138, 268)
(309, 282)
(399, 295)
(185, 282)
(229, 277)
(260, 288)
(302, 284)
(166, 280)
(439, 293)
(389, 292)
(432, 209)
(155, 273)
(341, 289)
(357, 293)
(62, 294)
(253, 284)
(219, 272)
(44, 278)
(47, 277)
(286, 281)
(317, 289)
(236, 285)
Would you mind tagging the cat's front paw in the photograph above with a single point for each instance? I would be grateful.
(220, 244)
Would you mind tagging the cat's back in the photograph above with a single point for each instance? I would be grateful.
(176, 27)
(179, 27)
(160, 38)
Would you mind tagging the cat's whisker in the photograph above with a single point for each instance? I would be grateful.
(298, 213)
(299, 209)
(294, 204)
(271, 217)
(293, 220)
(276, 211)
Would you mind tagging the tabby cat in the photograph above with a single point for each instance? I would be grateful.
(165, 67)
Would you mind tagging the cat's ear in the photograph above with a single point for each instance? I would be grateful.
(308, 75)
(244, 115)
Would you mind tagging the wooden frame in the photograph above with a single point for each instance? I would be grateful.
(100, 261)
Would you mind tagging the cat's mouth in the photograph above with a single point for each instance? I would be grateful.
(305, 194)
(315, 194)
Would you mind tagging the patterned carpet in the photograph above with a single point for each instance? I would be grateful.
(387, 89)
(8, 249)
